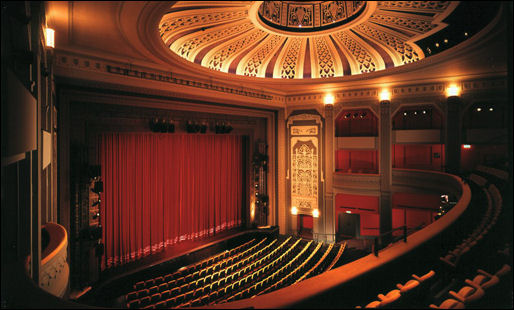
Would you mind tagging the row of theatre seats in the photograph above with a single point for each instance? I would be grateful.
(458, 279)
(258, 266)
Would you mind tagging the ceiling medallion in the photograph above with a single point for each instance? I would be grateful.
(299, 40)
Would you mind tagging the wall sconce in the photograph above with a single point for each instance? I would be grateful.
(328, 99)
(50, 37)
(294, 211)
(452, 90)
(315, 213)
(466, 146)
(385, 95)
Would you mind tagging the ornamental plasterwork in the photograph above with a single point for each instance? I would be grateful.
(256, 65)
(325, 59)
(289, 66)
(405, 53)
(304, 130)
(189, 46)
(304, 172)
(304, 117)
(269, 38)
(219, 58)
(363, 59)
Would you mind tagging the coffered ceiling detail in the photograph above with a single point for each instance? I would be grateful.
(299, 40)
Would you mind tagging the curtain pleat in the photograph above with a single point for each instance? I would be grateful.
(161, 189)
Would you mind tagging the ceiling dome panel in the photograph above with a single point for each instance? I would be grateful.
(295, 40)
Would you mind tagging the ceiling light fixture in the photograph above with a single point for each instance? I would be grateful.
(385, 95)
(452, 90)
(329, 99)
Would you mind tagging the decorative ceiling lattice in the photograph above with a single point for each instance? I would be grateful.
(295, 40)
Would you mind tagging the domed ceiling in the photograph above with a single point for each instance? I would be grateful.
(299, 40)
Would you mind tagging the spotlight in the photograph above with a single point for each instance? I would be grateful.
(479, 109)
(163, 127)
(415, 112)
(203, 127)
(424, 112)
(294, 211)
(98, 188)
(491, 109)
(347, 115)
(355, 115)
(96, 202)
(404, 113)
(171, 126)
(437, 45)
(154, 124)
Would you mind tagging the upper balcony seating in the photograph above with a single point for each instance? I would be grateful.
(469, 293)
(449, 303)
(487, 280)
(405, 294)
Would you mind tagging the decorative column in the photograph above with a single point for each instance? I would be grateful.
(453, 130)
(305, 174)
(328, 210)
(385, 168)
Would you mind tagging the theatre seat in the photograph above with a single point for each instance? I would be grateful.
(449, 304)
(468, 294)
(408, 286)
(389, 298)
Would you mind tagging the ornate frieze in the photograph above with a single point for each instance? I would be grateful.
(66, 61)
(304, 130)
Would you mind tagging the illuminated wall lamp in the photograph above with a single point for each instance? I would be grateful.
(50, 37)
(329, 99)
(384, 95)
(452, 90)
(294, 211)
(315, 213)
(466, 146)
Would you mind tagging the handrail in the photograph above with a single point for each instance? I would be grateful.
(375, 241)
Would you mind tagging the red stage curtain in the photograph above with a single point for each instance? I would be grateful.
(160, 189)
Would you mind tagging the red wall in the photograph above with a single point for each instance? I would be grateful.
(413, 209)
(305, 221)
(480, 154)
(356, 126)
(366, 206)
(418, 156)
(364, 161)
(432, 118)
(408, 209)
